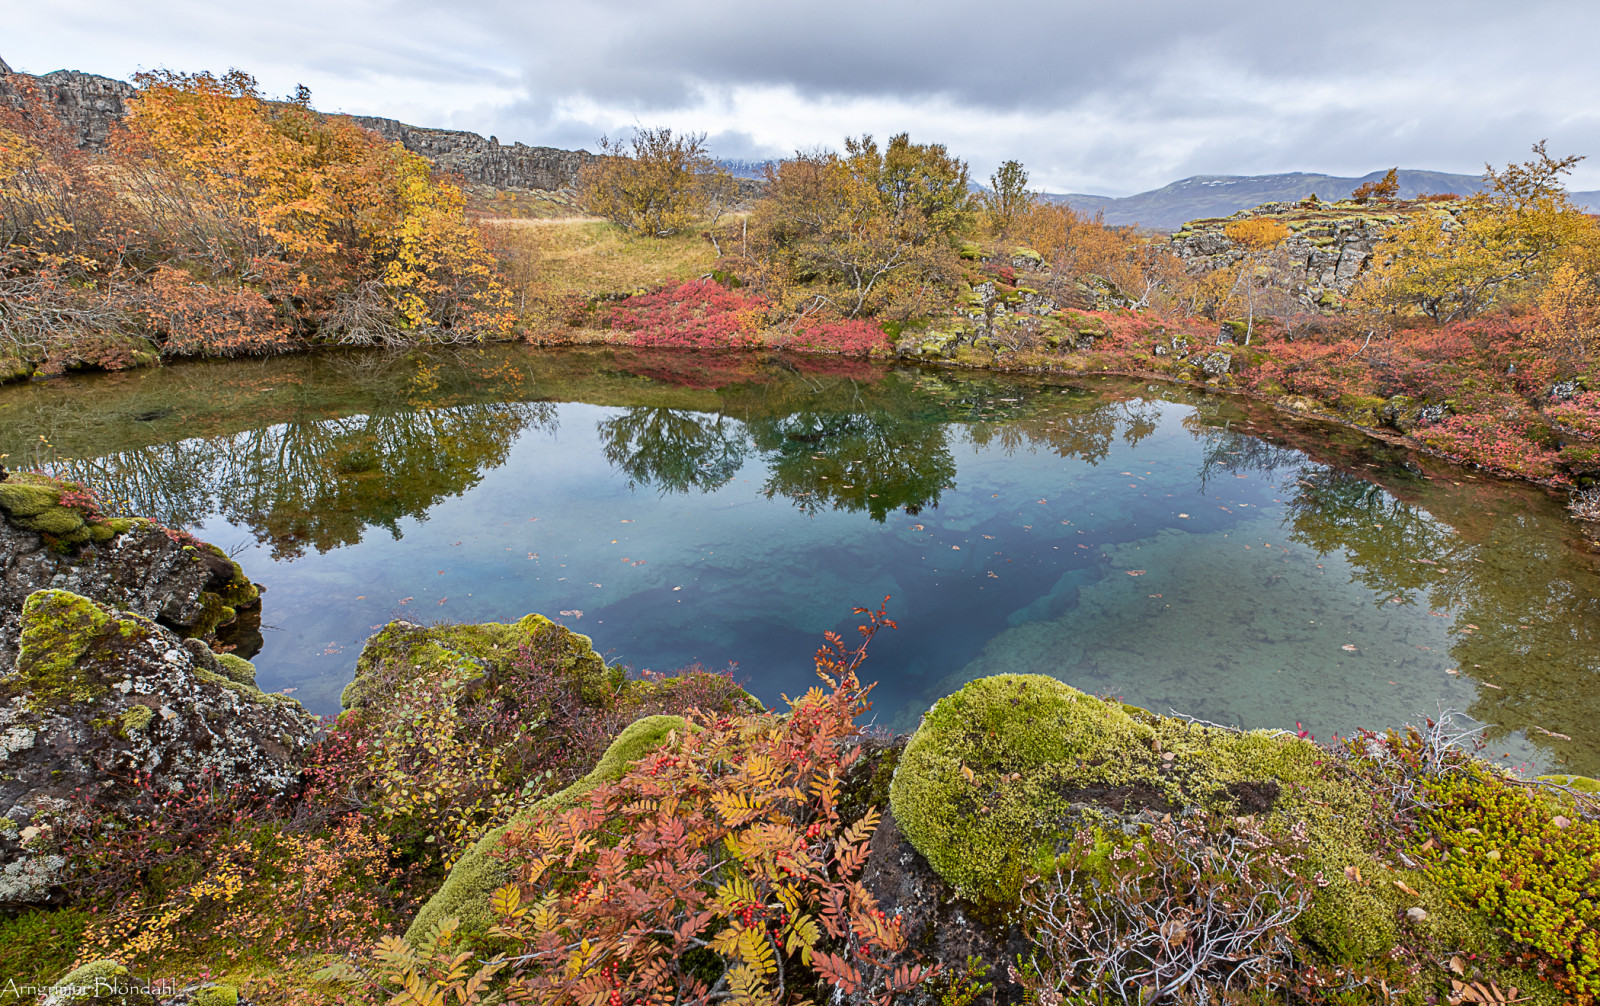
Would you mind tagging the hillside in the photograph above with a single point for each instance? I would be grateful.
(1202, 196)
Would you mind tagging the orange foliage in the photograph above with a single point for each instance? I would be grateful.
(223, 223)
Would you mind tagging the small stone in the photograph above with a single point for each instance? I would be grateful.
(1417, 914)
(1560, 822)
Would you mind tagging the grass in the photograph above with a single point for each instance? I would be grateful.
(552, 266)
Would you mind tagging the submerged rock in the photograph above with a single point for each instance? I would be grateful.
(98, 698)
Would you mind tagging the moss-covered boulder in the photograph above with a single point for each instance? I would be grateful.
(1001, 775)
(52, 534)
(465, 893)
(469, 652)
(96, 696)
(100, 983)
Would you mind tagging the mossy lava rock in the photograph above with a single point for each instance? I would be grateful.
(1001, 774)
(53, 535)
(98, 697)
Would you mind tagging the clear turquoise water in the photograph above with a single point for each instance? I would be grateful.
(1179, 551)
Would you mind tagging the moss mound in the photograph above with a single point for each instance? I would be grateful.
(104, 983)
(1002, 773)
(58, 628)
(35, 503)
(466, 652)
(476, 875)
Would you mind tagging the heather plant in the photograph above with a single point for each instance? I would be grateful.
(1528, 859)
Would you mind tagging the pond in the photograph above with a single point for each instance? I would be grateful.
(1180, 550)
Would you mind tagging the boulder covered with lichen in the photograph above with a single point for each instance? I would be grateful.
(101, 706)
(54, 535)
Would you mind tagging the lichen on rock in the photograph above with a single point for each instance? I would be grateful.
(98, 698)
(52, 535)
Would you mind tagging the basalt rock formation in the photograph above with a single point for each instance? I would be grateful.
(109, 687)
(484, 161)
(89, 104)
(93, 106)
(1328, 246)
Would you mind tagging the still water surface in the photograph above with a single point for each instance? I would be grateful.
(1179, 550)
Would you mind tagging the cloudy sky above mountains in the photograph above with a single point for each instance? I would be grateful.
(1103, 97)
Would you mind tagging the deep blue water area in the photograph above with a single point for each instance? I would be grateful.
(1179, 550)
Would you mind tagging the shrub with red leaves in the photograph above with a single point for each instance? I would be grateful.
(700, 314)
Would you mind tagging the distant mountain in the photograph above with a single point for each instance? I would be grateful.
(1170, 206)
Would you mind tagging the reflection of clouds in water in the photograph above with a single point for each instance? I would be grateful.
(1438, 578)
(317, 483)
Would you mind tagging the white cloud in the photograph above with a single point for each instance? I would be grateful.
(1102, 97)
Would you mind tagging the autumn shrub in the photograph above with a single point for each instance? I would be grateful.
(1509, 439)
(1527, 861)
(1197, 907)
(257, 891)
(655, 184)
(718, 868)
(700, 314)
(448, 754)
(223, 223)
(1580, 413)
(850, 337)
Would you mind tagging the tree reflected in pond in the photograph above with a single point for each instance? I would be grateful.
(674, 450)
(1520, 620)
(854, 461)
(316, 484)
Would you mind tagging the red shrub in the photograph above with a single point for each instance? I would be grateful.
(699, 314)
(848, 338)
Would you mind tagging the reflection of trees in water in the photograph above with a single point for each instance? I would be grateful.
(1227, 451)
(317, 483)
(1521, 621)
(854, 461)
(674, 450)
(871, 453)
(1071, 430)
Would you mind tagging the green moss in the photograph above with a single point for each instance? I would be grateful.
(136, 718)
(214, 611)
(468, 651)
(1582, 784)
(476, 875)
(237, 668)
(1000, 774)
(216, 995)
(104, 983)
(58, 627)
(57, 520)
(26, 495)
(37, 945)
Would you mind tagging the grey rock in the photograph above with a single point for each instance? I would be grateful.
(1216, 363)
(98, 699)
(140, 571)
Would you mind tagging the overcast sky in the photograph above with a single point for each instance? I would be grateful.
(1114, 97)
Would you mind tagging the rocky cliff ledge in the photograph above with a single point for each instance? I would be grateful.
(1327, 249)
(93, 105)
